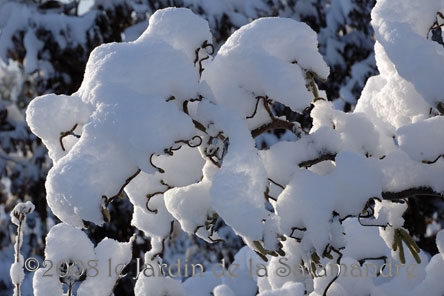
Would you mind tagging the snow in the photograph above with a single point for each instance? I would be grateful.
(401, 173)
(153, 224)
(390, 101)
(241, 180)
(432, 284)
(65, 243)
(33, 46)
(201, 286)
(223, 290)
(171, 125)
(110, 137)
(288, 289)
(158, 284)
(239, 279)
(362, 242)
(422, 141)
(17, 273)
(285, 269)
(440, 241)
(402, 28)
(309, 200)
(108, 253)
(66, 111)
(265, 58)
(347, 130)
(21, 209)
(190, 206)
(133, 32)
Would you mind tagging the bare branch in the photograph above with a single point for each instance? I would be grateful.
(433, 161)
(276, 124)
(308, 163)
(412, 192)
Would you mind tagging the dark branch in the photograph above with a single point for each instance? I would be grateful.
(311, 162)
(68, 133)
(338, 261)
(110, 199)
(160, 170)
(276, 183)
(412, 192)
(275, 124)
(433, 161)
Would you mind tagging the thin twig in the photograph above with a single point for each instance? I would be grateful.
(68, 133)
(338, 261)
(311, 162)
(127, 181)
(276, 183)
(433, 161)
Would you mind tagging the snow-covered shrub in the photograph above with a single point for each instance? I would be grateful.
(18, 217)
(173, 123)
(73, 263)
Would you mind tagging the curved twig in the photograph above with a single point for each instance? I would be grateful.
(205, 45)
(201, 68)
(151, 195)
(127, 181)
(298, 229)
(369, 208)
(185, 103)
(160, 170)
(433, 161)
(170, 150)
(188, 142)
(255, 108)
(68, 133)
(338, 261)
(214, 152)
(370, 213)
